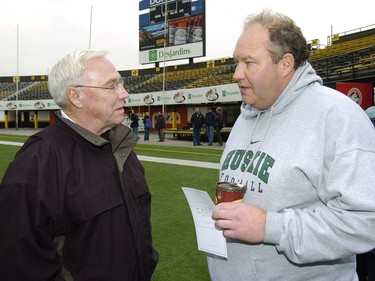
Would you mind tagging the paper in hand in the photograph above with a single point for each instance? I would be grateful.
(209, 238)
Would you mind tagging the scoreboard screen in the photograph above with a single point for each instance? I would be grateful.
(175, 10)
(177, 25)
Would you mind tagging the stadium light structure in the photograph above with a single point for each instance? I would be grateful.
(90, 29)
(165, 48)
(17, 78)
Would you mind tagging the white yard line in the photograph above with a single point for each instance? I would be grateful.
(11, 143)
(181, 162)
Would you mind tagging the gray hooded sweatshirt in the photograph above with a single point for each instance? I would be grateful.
(309, 161)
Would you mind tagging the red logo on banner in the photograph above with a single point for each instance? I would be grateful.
(356, 95)
(361, 93)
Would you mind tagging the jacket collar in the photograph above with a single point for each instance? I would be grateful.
(86, 134)
(116, 136)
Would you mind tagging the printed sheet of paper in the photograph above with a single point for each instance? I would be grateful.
(209, 238)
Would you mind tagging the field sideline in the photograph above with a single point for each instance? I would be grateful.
(180, 162)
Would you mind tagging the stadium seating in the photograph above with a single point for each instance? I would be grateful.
(181, 79)
(343, 47)
(342, 60)
(26, 91)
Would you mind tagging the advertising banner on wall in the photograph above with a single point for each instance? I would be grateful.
(361, 93)
(216, 94)
(28, 105)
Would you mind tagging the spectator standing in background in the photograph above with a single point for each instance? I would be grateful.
(74, 203)
(134, 122)
(147, 126)
(160, 125)
(371, 114)
(219, 125)
(210, 120)
(197, 121)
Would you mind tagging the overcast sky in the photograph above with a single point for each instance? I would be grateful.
(49, 29)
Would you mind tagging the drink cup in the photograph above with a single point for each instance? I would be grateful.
(229, 192)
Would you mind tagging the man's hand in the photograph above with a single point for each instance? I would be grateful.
(241, 221)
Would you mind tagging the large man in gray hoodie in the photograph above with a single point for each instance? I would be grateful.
(306, 154)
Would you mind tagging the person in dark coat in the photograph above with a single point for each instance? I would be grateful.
(160, 124)
(74, 203)
(134, 122)
(197, 121)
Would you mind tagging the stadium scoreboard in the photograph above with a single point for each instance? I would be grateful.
(177, 25)
(175, 10)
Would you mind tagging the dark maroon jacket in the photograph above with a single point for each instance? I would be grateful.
(63, 185)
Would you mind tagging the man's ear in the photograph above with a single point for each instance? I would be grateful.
(75, 97)
(287, 64)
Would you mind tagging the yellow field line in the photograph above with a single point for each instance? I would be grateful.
(177, 151)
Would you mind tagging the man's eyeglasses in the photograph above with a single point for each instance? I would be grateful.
(113, 88)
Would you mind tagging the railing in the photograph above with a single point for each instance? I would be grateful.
(343, 47)
(355, 32)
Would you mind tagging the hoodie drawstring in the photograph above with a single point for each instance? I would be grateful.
(262, 139)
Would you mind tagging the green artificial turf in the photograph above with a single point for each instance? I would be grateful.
(172, 222)
(187, 153)
(7, 153)
(14, 138)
